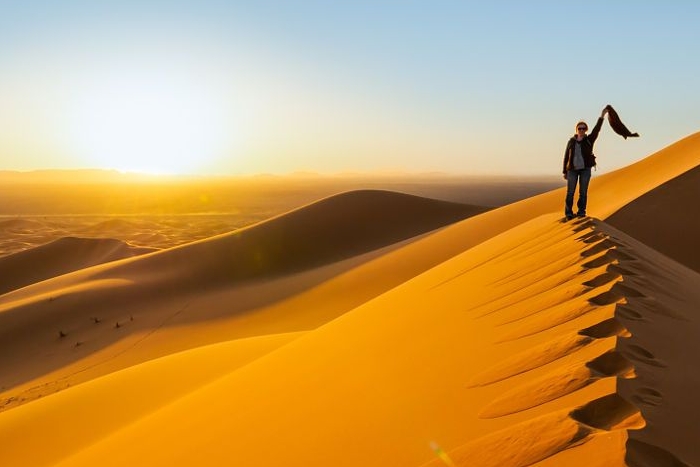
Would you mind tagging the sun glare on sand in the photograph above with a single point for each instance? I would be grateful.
(153, 124)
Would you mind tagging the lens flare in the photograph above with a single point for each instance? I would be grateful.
(442, 455)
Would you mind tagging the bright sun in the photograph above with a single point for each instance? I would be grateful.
(153, 124)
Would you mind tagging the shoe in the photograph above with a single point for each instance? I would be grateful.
(579, 215)
(568, 218)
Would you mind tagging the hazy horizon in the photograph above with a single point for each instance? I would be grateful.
(165, 211)
(101, 173)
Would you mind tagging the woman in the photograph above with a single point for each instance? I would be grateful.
(578, 161)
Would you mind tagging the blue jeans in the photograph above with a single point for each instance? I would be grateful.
(583, 177)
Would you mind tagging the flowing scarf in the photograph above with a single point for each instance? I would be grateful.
(617, 125)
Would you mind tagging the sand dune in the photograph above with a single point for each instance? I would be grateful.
(665, 219)
(663, 320)
(149, 231)
(505, 339)
(60, 257)
(91, 320)
(119, 399)
(405, 361)
(18, 225)
(324, 232)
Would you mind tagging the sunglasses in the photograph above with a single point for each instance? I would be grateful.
(582, 128)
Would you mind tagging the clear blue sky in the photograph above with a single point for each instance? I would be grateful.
(246, 87)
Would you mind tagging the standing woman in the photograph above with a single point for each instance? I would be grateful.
(578, 161)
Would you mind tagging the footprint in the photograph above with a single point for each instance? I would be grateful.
(619, 253)
(608, 328)
(647, 396)
(606, 298)
(609, 257)
(616, 293)
(531, 358)
(640, 354)
(626, 290)
(552, 386)
(651, 305)
(602, 279)
(523, 444)
(558, 383)
(625, 312)
(587, 223)
(616, 268)
(608, 413)
(641, 454)
(592, 237)
(611, 363)
(598, 248)
(602, 260)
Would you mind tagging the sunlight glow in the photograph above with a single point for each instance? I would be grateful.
(150, 123)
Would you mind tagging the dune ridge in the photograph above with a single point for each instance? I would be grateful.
(654, 434)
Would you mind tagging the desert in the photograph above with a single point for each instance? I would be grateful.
(438, 334)
(354, 234)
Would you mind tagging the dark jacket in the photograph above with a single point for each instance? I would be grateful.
(586, 148)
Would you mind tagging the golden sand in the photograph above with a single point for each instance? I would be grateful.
(506, 339)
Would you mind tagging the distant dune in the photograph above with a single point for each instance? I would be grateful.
(107, 193)
(149, 231)
(372, 329)
(60, 257)
(330, 230)
(327, 231)
(18, 225)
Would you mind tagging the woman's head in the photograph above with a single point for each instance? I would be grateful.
(581, 128)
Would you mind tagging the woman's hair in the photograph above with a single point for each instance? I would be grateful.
(580, 122)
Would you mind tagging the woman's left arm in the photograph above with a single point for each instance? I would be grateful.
(596, 129)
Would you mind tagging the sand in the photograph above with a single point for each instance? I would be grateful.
(100, 314)
(665, 219)
(334, 336)
(59, 257)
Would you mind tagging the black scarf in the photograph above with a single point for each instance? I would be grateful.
(617, 125)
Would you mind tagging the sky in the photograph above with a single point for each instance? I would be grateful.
(227, 87)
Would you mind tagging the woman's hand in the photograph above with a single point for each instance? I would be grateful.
(602, 114)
